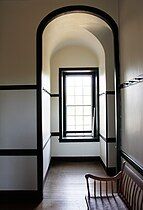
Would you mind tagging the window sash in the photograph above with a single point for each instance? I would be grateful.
(79, 120)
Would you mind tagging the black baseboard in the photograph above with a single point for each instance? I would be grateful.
(111, 171)
(74, 159)
(18, 196)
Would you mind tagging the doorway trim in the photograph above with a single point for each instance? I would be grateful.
(50, 17)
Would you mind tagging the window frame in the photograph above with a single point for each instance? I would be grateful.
(63, 72)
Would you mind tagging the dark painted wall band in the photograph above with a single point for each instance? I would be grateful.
(108, 92)
(18, 87)
(51, 94)
(32, 196)
(132, 162)
(55, 95)
(108, 140)
(55, 133)
(74, 159)
(18, 152)
(78, 68)
(84, 139)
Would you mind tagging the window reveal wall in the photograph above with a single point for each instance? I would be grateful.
(72, 56)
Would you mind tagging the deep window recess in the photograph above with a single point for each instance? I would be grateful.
(78, 105)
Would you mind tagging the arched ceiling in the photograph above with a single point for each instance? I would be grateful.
(74, 29)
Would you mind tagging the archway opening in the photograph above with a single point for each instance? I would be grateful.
(78, 27)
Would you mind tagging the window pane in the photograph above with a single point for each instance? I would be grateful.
(70, 91)
(87, 110)
(70, 128)
(87, 91)
(78, 100)
(79, 120)
(78, 81)
(87, 100)
(87, 120)
(70, 81)
(79, 110)
(70, 110)
(78, 91)
(70, 120)
(79, 128)
(70, 100)
(87, 127)
(87, 81)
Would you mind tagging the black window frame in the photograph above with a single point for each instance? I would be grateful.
(63, 72)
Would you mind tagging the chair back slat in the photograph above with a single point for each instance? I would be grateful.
(131, 189)
(106, 188)
(94, 188)
(100, 189)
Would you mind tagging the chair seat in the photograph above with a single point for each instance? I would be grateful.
(106, 203)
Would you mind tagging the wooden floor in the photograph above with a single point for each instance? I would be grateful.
(65, 187)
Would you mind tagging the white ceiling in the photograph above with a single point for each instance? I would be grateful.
(74, 29)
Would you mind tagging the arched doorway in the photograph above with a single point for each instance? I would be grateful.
(50, 17)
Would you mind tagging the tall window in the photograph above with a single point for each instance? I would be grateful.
(78, 101)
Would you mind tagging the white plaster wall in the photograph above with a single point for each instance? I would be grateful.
(102, 114)
(70, 56)
(106, 74)
(18, 126)
(103, 154)
(106, 38)
(131, 33)
(74, 149)
(18, 34)
(46, 132)
(46, 158)
(111, 115)
(46, 106)
(18, 173)
(112, 149)
(45, 116)
(54, 114)
(106, 83)
(46, 54)
(112, 155)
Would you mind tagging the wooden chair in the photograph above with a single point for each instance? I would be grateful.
(123, 191)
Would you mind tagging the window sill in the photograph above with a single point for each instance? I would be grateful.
(78, 139)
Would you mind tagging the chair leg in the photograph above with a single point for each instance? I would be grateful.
(88, 208)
